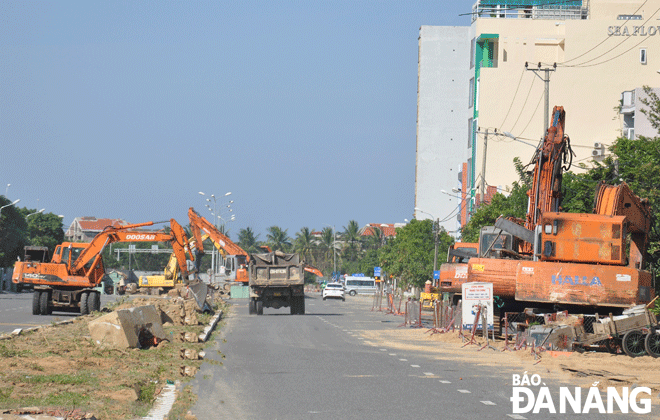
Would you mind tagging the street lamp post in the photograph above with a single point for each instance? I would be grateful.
(10, 204)
(36, 212)
(334, 249)
(215, 224)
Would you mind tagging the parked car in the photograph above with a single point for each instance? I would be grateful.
(334, 290)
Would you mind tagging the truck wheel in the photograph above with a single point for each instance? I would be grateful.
(301, 308)
(94, 302)
(44, 303)
(84, 309)
(36, 309)
(260, 307)
(251, 307)
(294, 305)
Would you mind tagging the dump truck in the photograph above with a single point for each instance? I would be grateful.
(276, 280)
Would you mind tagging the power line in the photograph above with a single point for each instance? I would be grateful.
(513, 99)
(601, 42)
(583, 64)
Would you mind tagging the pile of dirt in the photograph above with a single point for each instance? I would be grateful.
(59, 367)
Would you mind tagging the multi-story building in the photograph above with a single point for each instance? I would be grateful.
(526, 56)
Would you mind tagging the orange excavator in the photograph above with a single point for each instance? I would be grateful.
(236, 259)
(556, 258)
(70, 279)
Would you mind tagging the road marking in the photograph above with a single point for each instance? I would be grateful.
(415, 366)
(444, 382)
(392, 354)
(429, 374)
(383, 349)
(464, 391)
(360, 338)
(488, 403)
(517, 416)
(403, 360)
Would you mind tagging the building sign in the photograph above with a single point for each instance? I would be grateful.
(633, 30)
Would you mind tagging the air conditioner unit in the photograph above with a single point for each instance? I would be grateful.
(598, 145)
(597, 152)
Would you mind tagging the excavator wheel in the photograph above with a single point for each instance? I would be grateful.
(44, 303)
(94, 302)
(84, 308)
(36, 296)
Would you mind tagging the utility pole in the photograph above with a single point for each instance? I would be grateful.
(546, 80)
(483, 171)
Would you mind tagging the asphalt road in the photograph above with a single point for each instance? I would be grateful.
(16, 311)
(318, 366)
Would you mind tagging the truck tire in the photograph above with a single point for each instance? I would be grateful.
(252, 309)
(294, 305)
(260, 307)
(301, 308)
(84, 308)
(36, 297)
(94, 302)
(44, 303)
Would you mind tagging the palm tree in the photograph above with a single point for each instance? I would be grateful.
(352, 237)
(328, 247)
(304, 244)
(278, 239)
(248, 240)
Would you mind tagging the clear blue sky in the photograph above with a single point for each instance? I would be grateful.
(305, 111)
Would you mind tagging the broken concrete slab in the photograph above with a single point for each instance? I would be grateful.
(127, 328)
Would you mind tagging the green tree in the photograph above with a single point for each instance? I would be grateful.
(43, 229)
(278, 239)
(304, 244)
(351, 237)
(515, 205)
(13, 233)
(409, 256)
(327, 248)
(248, 241)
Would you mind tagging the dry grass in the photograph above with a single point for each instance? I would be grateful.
(60, 367)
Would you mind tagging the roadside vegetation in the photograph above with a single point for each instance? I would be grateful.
(59, 367)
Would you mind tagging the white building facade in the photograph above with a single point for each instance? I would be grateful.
(442, 118)
(587, 53)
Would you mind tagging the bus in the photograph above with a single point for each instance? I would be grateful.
(361, 285)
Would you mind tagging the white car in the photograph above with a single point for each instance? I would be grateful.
(334, 290)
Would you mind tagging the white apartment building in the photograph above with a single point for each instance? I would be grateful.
(594, 52)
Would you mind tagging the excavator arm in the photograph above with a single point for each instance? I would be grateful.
(127, 233)
(619, 200)
(199, 223)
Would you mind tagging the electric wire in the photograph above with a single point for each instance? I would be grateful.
(512, 99)
(584, 64)
(525, 103)
(601, 42)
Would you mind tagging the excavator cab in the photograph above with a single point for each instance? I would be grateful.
(496, 243)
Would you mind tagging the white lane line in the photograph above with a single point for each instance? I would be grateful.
(488, 403)
(464, 391)
(383, 349)
(392, 354)
(444, 382)
(429, 374)
(415, 366)
(517, 416)
(403, 360)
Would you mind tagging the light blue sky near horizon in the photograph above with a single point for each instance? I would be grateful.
(305, 111)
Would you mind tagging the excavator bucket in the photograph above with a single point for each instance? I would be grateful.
(199, 289)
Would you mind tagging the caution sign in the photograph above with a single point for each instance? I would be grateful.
(475, 295)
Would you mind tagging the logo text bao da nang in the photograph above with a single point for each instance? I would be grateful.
(529, 396)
